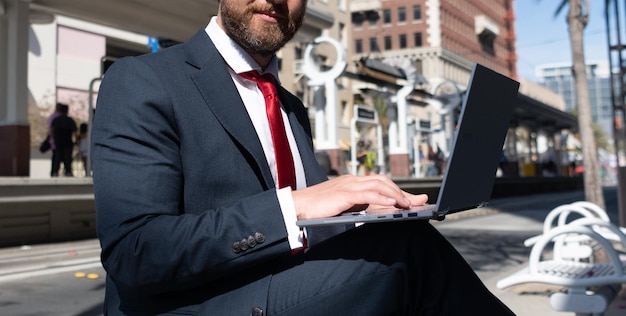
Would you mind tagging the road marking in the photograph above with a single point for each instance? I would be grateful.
(50, 270)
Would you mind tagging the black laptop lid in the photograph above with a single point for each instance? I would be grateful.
(482, 127)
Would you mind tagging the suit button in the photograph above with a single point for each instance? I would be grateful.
(251, 241)
(256, 311)
(236, 247)
(260, 238)
(243, 244)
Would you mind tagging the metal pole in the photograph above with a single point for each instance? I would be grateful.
(90, 123)
(618, 95)
(381, 151)
(353, 135)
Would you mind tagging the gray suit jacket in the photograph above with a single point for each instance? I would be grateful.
(179, 177)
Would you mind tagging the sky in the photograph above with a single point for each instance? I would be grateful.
(543, 38)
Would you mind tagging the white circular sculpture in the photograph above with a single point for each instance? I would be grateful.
(325, 108)
(312, 69)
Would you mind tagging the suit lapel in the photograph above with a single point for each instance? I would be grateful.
(215, 84)
(220, 94)
(300, 127)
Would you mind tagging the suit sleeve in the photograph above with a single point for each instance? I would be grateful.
(150, 243)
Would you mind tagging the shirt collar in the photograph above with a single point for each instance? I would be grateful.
(235, 56)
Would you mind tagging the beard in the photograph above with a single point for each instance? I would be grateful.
(264, 39)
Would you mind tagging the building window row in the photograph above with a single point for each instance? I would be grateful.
(387, 16)
(388, 43)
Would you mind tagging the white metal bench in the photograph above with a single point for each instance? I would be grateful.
(589, 287)
(562, 215)
(575, 247)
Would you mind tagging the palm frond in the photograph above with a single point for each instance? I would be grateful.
(560, 8)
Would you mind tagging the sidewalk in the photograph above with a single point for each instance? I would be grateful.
(490, 239)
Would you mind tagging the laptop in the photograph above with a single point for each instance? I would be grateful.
(476, 150)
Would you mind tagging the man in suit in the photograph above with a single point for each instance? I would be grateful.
(191, 214)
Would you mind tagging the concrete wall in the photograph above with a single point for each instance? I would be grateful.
(46, 210)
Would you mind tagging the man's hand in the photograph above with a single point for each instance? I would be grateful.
(349, 193)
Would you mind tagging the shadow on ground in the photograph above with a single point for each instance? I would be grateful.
(489, 251)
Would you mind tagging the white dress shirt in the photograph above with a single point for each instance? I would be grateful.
(239, 62)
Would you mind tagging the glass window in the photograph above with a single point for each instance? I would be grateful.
(402, 38)
(386, 16)
(401, 14)
(372, 19)
(358, 46)
(357, 21)
(387, 42)
(342, 29)
(373, 44)
(418, 39)
(417, 12)
(298, 52)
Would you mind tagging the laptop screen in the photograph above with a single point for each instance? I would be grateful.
(477, 147)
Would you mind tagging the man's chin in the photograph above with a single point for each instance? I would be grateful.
(266, 45)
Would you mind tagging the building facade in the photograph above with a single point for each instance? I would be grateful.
(442, 37)
(559, 78)
(440, 40)
(67, 57)
(389, 45)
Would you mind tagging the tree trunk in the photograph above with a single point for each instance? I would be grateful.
(576, 24)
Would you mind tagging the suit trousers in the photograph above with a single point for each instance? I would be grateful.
(401, 268)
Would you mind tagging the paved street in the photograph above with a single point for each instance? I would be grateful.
(60, 294)
(54, 279)
(67, 279)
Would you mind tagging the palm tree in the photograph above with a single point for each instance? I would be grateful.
(577, 18)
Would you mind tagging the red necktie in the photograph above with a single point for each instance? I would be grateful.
(282, 152)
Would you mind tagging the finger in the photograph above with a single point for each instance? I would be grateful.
(380, 193)
(384, 185)
(417, 199)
